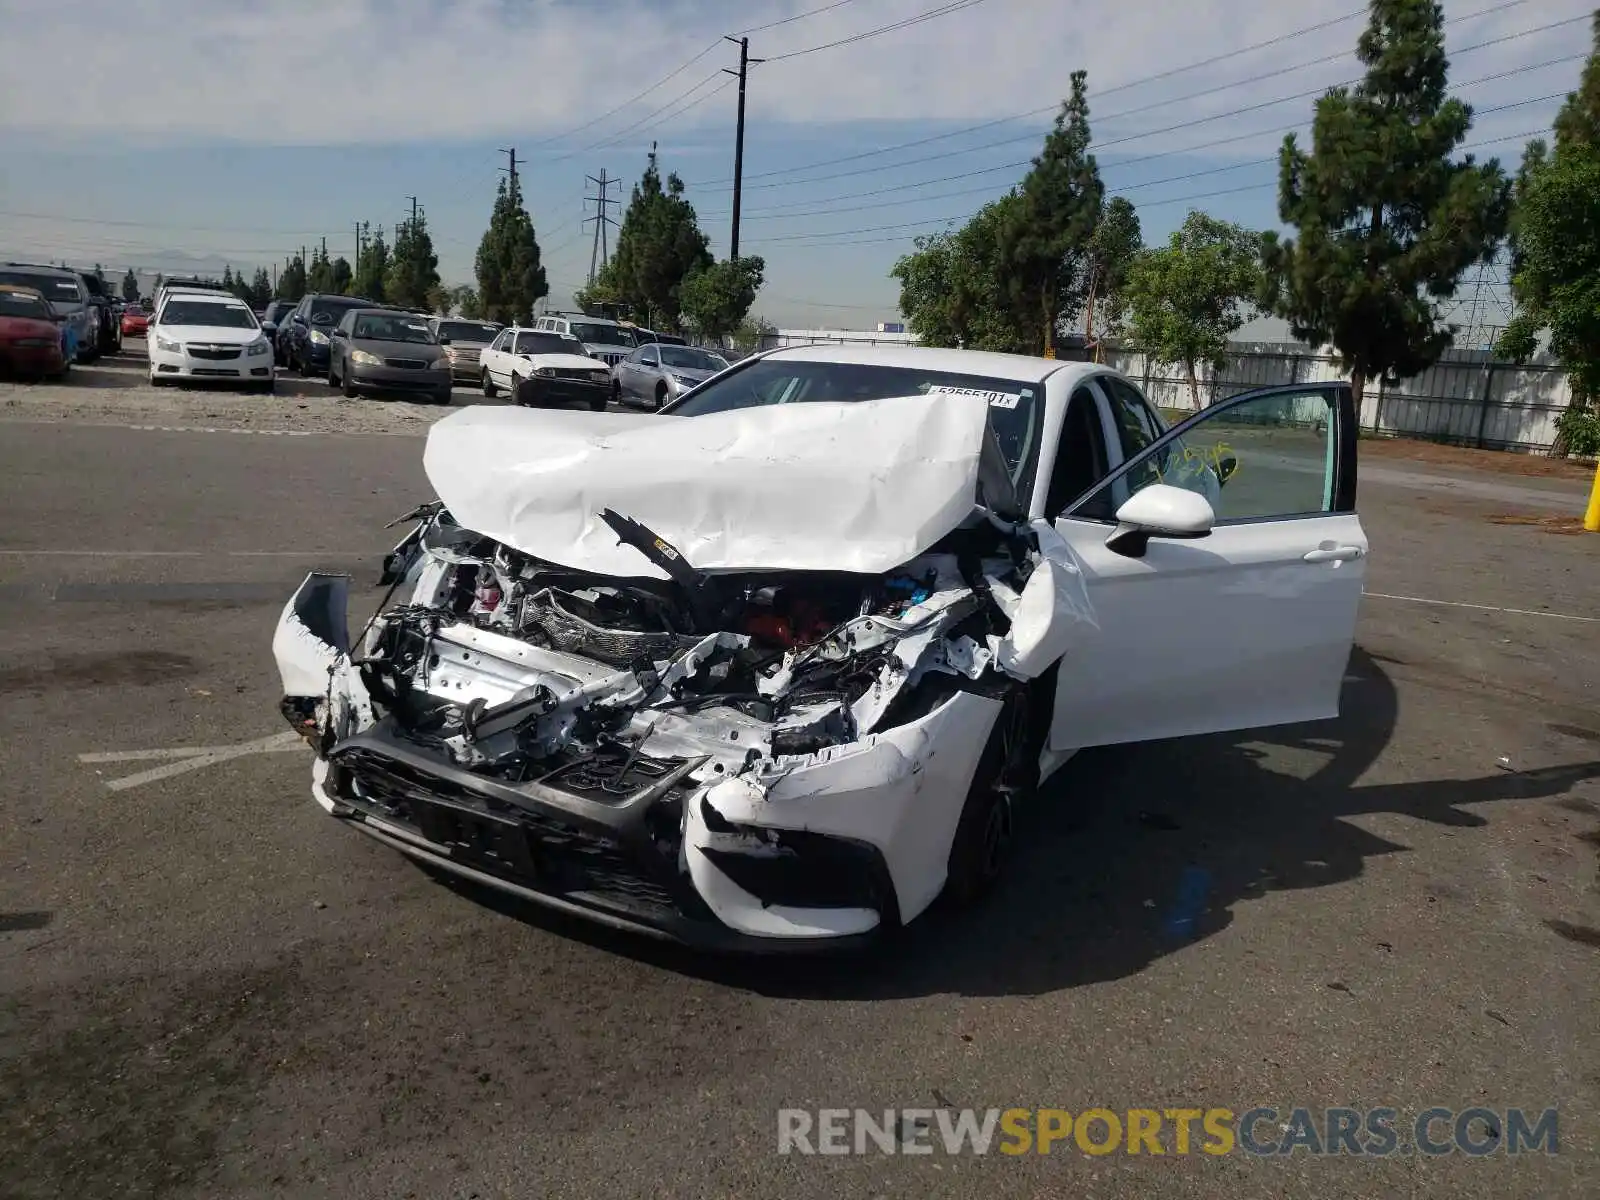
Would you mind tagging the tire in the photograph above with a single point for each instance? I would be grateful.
(984, 833)
(303, 365)
(661, 394)
(348, 387)
(598, 404)
(616, 393)
(444, 396)
(489, 390)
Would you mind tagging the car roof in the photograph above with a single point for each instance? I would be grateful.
(44, 268)
(929, 358)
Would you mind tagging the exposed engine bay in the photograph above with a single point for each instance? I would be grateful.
(522, 669)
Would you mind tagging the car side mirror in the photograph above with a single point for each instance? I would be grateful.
(1163, 511)
(1226, 466)
(298, 320)
(338, 333)
(444, 339)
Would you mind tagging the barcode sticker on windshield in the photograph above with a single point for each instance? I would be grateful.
(993, 399)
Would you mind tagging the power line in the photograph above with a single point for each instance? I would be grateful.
(619, 134)
(1132, 137)
(777, 212)
(797, 17)
(1186, 199)
(1121, 87)
(943, 10)
(632, 100)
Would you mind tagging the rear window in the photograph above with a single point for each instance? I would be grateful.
(207, 313)
(20, 304)
(62, 292)
(326, 310)
(468, 331)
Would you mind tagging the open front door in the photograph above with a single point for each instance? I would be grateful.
(1246, 625)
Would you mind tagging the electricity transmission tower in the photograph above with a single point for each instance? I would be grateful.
(1486, 308)
(600, 251)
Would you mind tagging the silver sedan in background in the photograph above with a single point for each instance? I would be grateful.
(466, 340)
(656, 374)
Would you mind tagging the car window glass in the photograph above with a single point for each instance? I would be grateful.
(1081, 455)
(1134, 428)
(648, 358)
(1255, 459)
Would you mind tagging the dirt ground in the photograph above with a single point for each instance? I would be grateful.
(1417, 450)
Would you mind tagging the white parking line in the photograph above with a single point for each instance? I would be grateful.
(1519, 612)
(189, 758)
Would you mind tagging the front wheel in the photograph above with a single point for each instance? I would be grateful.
(488, 386)
(982, 843)
(443, 396)
(661, 394)
(348, 387)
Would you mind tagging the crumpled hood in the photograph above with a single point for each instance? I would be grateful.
(840, 487)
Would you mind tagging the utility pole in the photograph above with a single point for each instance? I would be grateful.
(738, 143)
(358, 246)
(600, 251)
(511, 153)
(324, 249)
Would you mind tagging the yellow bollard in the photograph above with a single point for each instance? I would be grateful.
(1591, 519)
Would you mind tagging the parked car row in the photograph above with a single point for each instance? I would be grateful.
(86, 318)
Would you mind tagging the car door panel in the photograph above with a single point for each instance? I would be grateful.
(1248, 626)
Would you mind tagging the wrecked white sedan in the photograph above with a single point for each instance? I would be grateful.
(773, 668)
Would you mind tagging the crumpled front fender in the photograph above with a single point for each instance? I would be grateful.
(313, 634)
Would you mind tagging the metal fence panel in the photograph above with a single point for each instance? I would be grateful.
(1467, 398)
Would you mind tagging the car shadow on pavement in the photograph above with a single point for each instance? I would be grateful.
(1132, 853)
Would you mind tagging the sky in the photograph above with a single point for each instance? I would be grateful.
(188, 133)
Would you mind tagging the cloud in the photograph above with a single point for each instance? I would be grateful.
(374, 72)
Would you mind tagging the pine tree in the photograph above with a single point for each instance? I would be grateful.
(1387, 218)
(413, 266)
(130, 286)
(509, 266)
(373, 269)
(658, 247)
(1045, 246)
(292, 282)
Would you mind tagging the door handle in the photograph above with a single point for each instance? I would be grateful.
(1332, 554)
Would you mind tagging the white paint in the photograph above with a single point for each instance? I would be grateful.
(188, 758)
(1518, 612)
(1234, 630)
(860, 487)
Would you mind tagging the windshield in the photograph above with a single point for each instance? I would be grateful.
(326, 310)
(387, 327)
(1016, 408)
(20, 304)
(207, 313)
(548, 343)
(468, 331)
(601, 335)
(690, 359)
(135, 310)
(63, 293)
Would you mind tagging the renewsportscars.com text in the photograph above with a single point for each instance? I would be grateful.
(1374, 1132)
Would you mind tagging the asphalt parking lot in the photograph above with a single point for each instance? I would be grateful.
(209, 990)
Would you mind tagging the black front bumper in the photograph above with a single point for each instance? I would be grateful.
(598, 840)
(537, 392)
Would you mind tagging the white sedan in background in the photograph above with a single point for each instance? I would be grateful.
(208, 337)
(774, 668)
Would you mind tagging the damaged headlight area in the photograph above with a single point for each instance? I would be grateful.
(771, 755)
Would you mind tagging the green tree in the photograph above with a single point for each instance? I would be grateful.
(413, 266)
(340, 276)
(228, 281)
(1187, 298)
(464, 302)
(372, 267)
(1387, 219)
(658, 247)
(716, 299)
(1555, 248)
(1044, 247)
(1113, 247)
(509, 266)
(952, 290)
(100, 274)
(292, 283)
(260, 288)
(752, 333)
(130, 286)
(596, 297)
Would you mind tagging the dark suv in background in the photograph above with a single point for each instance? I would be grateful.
(108, 336)
(305, 332)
